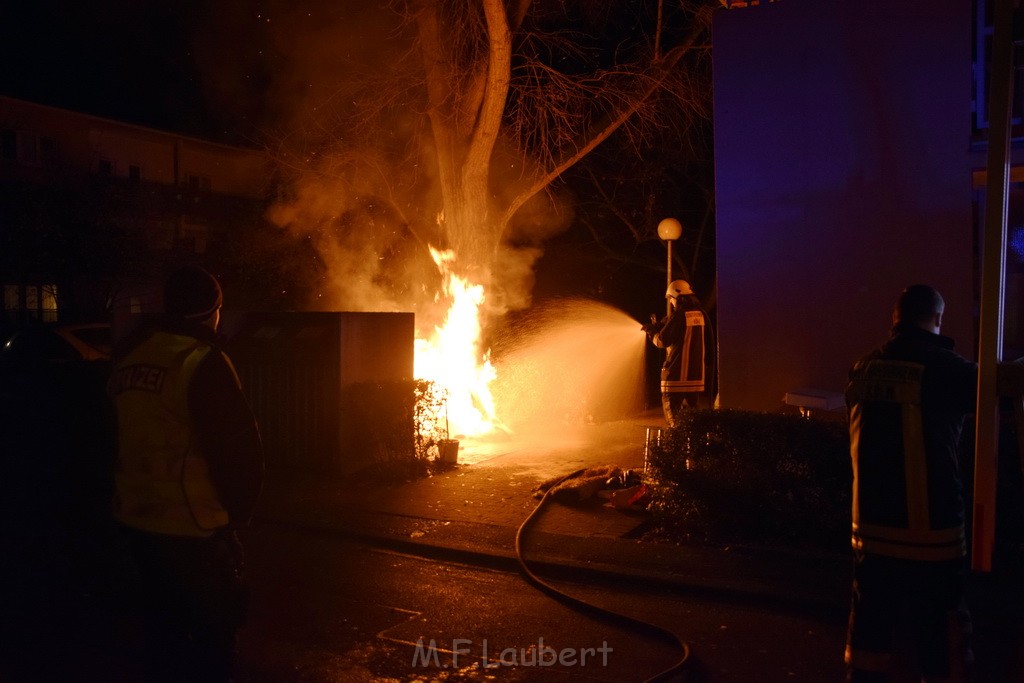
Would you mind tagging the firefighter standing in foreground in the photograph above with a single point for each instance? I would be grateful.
(189, 472)
(688, 373)
(907, 401)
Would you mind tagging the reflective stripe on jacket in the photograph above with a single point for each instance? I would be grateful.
(162, 479)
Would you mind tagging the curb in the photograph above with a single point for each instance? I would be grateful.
(392, 532)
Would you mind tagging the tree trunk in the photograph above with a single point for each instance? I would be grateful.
(464, 152)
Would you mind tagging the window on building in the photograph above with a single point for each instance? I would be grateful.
(28, 148)
(32, 302)
(12, 298)
(162, 234)
(199, 183)
(8, 145)
(48, 303)
(134, 173)
(49, 151)
(193, 237)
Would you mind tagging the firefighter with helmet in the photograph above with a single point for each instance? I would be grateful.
(688, 373)
(188, 475)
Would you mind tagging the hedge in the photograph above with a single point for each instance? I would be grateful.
(735, 477)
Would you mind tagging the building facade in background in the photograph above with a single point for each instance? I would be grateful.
(850, 162)
(91, 209)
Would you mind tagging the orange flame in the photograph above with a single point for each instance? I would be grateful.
(452, 357)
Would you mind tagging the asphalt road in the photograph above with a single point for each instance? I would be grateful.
(326, 609)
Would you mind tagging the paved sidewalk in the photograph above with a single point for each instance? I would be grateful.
(472, 513)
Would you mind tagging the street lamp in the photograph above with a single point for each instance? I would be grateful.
(669, 229)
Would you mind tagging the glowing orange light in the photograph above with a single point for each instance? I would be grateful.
(452, 357)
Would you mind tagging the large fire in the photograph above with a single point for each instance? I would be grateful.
(452, 357)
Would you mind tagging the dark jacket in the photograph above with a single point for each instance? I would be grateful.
(907, 401)
(686, 333)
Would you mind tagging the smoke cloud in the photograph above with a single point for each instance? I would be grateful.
(362, 172)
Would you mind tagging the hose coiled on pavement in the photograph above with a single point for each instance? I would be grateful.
(591, 609)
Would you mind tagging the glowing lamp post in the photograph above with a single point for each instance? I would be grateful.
(669, 229)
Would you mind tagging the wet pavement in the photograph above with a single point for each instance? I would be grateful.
(64, 581)
(474, 511)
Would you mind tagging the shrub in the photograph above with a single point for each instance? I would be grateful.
(401, 423)
(429, 417)
(729, 476)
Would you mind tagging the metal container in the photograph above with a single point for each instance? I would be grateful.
(448, 451)
(333, 392)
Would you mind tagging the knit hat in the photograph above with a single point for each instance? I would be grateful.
(192, 293)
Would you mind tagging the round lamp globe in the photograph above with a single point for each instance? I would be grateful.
(670, 229)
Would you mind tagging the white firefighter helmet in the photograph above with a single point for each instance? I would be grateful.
(678, 288)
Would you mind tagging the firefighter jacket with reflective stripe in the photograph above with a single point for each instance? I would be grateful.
(163, 481)
(689, 361)
(907, 401)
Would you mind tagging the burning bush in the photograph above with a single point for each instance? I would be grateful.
(733, 476)
(404, 443)
(430, 418)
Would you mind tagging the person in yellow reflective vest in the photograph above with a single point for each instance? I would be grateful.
(688, 374)
(907, 401)
(188, 475)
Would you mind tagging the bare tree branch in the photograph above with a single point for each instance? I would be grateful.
(601, 133)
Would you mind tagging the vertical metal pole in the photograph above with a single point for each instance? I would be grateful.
(668, 270)
(993, 275)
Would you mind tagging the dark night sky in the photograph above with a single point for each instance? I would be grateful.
(226, 69)
(223, 69)
(125, 60)
(219, 69)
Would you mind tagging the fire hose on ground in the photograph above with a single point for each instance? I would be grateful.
(594, 610)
